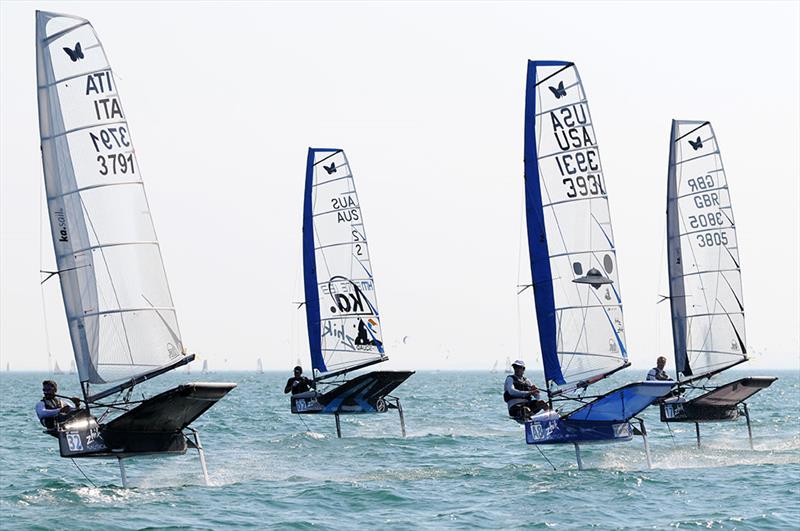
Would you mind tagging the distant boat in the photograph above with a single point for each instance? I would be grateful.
(259, 366)
(119, 310)
(706, 299)
(72, 369)
(574, 269)
(494, 367)
(344, 325)
(204, 370)
(508, 368)
(8, 367)
(57, 369)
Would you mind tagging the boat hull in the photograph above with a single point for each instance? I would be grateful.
(719, 405)
(364, 394)
(555, 430)
(154, 427)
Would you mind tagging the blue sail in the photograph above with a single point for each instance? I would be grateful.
(571, 246)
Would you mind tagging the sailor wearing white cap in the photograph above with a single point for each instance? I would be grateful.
(521, 395)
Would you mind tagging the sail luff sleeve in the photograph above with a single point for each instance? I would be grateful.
(677, 294)
(541, 274)
(310, 269)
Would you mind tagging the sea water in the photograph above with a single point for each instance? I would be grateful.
(464, 464)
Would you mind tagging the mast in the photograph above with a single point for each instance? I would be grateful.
(706, 299)
(570, 240)
(119, 309)
(342, 317)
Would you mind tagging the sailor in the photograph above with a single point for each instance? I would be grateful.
(299, 383)
(658, 372)
(50, 409)
(521, 395)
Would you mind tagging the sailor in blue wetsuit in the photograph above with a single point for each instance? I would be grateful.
(658, 372)
(50, 409)
(299, 383)
(521, 395)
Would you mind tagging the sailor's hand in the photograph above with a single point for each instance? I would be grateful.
(76, 401)
(64, 409)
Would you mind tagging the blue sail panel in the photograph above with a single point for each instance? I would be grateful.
(537, 236)
(310, 269)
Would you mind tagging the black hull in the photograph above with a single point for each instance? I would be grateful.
(154, 427)
(364, 394)
(718, 405)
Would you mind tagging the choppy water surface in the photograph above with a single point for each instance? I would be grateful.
(463, 464)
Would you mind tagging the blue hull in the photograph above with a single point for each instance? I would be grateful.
(560, 431)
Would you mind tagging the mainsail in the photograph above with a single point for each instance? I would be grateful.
(341, 308)
(704, 275)
(570, 240)
(121, 318)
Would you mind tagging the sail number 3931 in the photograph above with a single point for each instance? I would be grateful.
(584, 186)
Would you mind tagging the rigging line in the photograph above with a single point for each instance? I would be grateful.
(545, 457)
(88, 218)
(693, 130)
(568, 65)
(335, 152)
(41, 286)
(82, 472)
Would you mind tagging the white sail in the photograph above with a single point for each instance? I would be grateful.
(205, 367)
(703, 252)
(119, 309)
(259, 366)
(570, 239)
(341, 305)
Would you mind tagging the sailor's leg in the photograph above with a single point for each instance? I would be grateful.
(122, 473)
(202, 455)
(646, 444)
(749, 429)
(697, 430)
(578, 456)
(338, 426)
(402, 418)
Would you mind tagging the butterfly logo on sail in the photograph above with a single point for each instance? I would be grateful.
(558, 91)
(75, 54)
(330, 169)
(696, 144)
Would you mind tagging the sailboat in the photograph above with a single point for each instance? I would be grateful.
(508, 368)
(705, 282)
(344, 325)
(204, 370)
(57, 369)
(72, 369)
(119, 309)
(575, 278)
(259, 366)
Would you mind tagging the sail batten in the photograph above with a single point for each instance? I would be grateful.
(570, 239)
(119, 309)
(706, 300)
(341, 307)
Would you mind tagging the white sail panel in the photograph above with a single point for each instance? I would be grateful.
(349, 320)
(581, 324)
(705, 277)
(120, 312)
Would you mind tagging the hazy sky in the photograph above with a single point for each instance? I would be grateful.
(427, 100)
